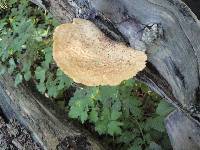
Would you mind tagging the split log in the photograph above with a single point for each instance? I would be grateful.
(167, 29)
(47, 123)
(173, 46)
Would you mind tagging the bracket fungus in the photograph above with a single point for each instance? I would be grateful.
(88, 56)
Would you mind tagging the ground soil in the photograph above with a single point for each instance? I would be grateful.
(74, 143)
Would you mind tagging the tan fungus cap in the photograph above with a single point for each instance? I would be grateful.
(88, 56)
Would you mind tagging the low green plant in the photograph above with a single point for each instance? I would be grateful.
(130, 116)
(130, 113)
(26, 48)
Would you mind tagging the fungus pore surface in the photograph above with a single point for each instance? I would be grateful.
(88, 56)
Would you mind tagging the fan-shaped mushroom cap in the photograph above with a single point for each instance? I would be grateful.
(89, 57)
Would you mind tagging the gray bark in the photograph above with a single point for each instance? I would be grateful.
(184, 132)
(169, 33)
(48, 124)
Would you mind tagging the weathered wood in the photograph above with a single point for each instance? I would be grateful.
(15, 136)
(184, 131)
(48, 124)
(169, 32)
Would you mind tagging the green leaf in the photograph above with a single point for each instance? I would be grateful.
(78, 111)
(11, 2)
(27, 75)
(156, 123)
(18, 79)
(26, 65)
(19, 39)
(79, 108)
(74, 112)
(84, 116)
(41, 87)
(137, 144)
(40, 33)
(135, 147)
(105, 115)
(117, 106)
(114, 128)
(154, 146)
(128, 83)
(164, 108)
(101, 126)
(87, 97)
(52, 91)
(40, 74)
(134, 101)
(93, 116)
(115, 115)
(102, 123)
(131, 104)
(137, 112)
(127, 137)
(52, 88)
(108, 93)
(147, 137)
(63, 81)
(12, 66)
(48, 57)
